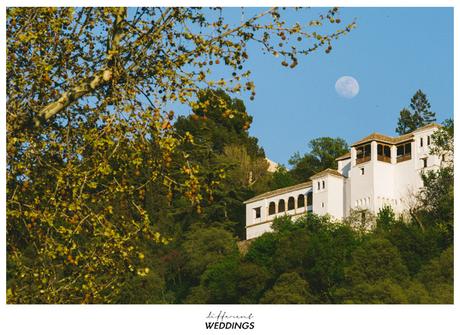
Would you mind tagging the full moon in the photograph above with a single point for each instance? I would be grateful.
(347, 87)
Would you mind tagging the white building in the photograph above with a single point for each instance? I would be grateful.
(378, 171)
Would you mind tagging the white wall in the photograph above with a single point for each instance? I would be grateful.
(329, 200)
(383, 185)
(320, 196)
(346, 196)
(335, 196)
(362, 186)
(407, 179)
(256, 231)
(344, 166)
(250, 212)
(257, 226)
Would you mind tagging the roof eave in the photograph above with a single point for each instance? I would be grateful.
(278, 192)
(327, 172)
(343, 157)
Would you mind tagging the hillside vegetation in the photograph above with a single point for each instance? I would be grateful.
(186, 251)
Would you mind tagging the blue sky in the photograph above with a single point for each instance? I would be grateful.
(392, 53)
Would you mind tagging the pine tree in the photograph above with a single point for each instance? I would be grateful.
(421, 108)
(406, 122)
(418, 115)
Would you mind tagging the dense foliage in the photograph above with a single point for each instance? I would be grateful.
(317, 260)
(321, 155)
(94, 169)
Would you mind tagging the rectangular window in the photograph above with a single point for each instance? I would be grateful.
(407, 149)
(362, 171)
(309, 198)
(424, 162)
(403, 152)
(363, 153)
(386, 151)
(428, 140)
(319, 186)
(367, 150)
(257, 212)
(421, 141)
(383, 153)
(324, 184)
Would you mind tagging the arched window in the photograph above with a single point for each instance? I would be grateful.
(301, 201)
(271, 208)
(291, 203)
(281, 206)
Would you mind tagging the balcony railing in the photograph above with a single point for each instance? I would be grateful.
(403, 158)
(383, 158)
(363, 159)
